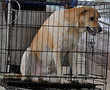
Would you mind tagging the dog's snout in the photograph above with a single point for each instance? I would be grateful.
(94, 30)
(99, 29)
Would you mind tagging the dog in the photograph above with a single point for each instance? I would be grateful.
(58, 36)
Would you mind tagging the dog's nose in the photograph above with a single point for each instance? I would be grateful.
(99, 29)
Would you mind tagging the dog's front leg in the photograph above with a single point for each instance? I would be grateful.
(60, 72)
(57, 60)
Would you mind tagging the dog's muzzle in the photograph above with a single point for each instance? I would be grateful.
(94, 30)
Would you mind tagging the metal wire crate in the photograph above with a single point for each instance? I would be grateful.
(90, 59)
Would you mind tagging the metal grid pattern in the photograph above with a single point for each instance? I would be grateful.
(90, 58)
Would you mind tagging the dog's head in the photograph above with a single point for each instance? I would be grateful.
(88, 20)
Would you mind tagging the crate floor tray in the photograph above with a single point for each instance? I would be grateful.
(12, 82)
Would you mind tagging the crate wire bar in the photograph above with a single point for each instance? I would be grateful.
(61, 3)
(86, 55)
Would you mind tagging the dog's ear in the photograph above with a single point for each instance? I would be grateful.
(84, 11)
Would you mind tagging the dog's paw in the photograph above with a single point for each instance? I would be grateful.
(25, 78)
(59, 80)
(36, 79)
(65, 81)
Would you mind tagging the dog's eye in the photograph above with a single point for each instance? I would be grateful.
(92, 18)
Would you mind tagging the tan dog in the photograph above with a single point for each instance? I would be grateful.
(60, 33)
